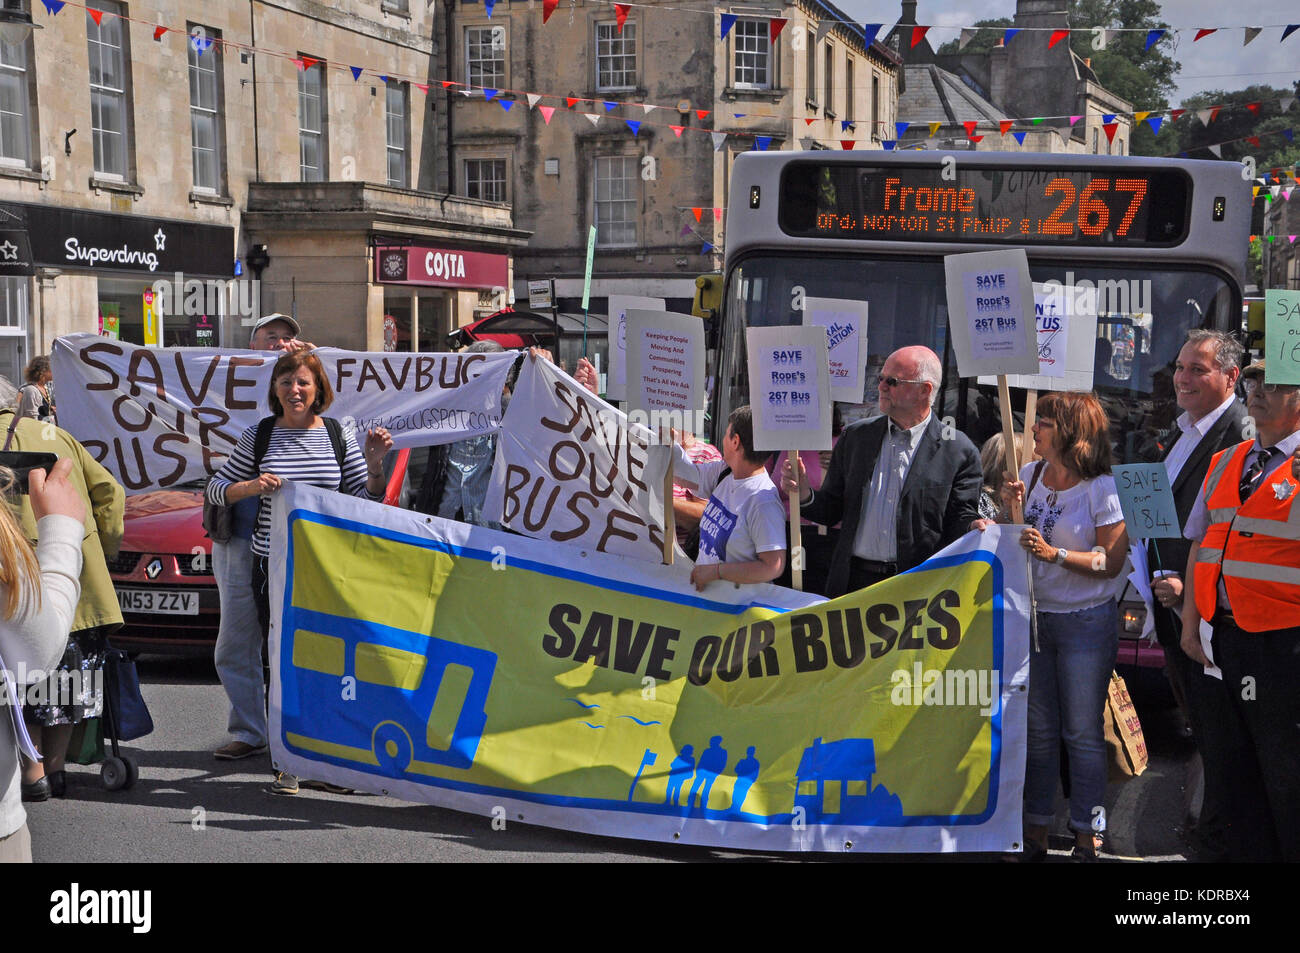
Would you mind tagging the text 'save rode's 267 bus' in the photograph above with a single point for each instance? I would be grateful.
(1163, 243)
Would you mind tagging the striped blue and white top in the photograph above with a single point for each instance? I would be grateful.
(305, 456)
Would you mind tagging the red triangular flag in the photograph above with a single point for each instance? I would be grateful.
(1253, 107)
(1253, 140)
(717, 217)
(774, 27)
(621, 11)
(701, 113)
(548, 7)
(1057, 37)
(308, 62)
(571, 101)
(677, 130)
(918, 34)
(1202, 32)
(970, 125)
(1003, 126)
(976, 138)
(808, 121)
(547, 112)
(298, 63)
(1214, 112)
(158, 31)
(95, 15)
(447, 83)
(1110, 128)
(847, 143)
(1175, 113)
(423, 87)
(697, 211)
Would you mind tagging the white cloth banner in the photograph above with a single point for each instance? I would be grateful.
(159, 417)
(570, 470)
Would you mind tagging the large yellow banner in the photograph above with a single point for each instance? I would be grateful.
(531, 681)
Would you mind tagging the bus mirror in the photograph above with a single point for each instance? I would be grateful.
(708, 296)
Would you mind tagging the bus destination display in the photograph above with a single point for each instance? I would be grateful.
(1021, 206)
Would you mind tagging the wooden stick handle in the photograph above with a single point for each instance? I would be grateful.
(796, 532)
(1009, 439)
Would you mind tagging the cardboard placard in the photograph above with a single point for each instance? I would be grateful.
(789, 387)
(1147, 498)
(616, 383)
(845, 321)
(665, 362)
(991, 312)
(1281, 336)
(1066, 321)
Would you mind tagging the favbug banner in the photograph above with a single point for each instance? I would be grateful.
(158, 417)
(601, 694)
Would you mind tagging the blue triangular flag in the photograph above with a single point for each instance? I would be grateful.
(1154, 122)
(844, 124)
(889, 144)
(384, 78)
(356, 72)
(1006, 37)
(706, 249)
(1287, 133)
(506, 104)
(488, 5)
(634, 125)
(490, 94)
(1019, 137)
(728, 21)
(762, 142)
(1107, 118)
(869, 31)
(739, 115)
(901, 127)
(1182, 155)
(610, 106)
(54, 6)
(1290, 28)
(1152, 37)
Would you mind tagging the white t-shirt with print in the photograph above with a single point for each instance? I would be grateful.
(742, 518)
(1070, 522)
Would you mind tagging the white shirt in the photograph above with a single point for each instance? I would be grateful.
(1198, 521)
(1191, 436)
(742, 517)
(877, 535)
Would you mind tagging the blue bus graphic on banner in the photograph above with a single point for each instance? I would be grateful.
(387, 700)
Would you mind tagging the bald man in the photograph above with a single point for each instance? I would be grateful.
(903, 488)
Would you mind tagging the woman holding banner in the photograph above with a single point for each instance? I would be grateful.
(1077, 541)
(302, 446)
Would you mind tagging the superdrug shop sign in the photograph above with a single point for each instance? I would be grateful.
(69, 239)
(440, 267)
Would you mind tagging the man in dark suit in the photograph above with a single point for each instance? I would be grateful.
(903, 488)
(1205, 380)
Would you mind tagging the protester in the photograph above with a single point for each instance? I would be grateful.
(239, 637)
(1241, 575)
(36, 397)
(903, 486)
(818, 542)
(303, 447)
(993, 462)
(1204, 381)
(98, 614)
(38, 596)
(742, 531)
(1077, 536)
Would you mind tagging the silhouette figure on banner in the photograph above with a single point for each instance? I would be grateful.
(746, 775)
(713, 761)
(683, 767)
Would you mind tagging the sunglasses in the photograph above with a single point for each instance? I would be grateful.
(895, 381)
(1251, 385)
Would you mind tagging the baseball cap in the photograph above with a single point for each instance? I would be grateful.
(274, 316)
(1254, 370)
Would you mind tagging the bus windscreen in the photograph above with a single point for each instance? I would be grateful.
(986, 205)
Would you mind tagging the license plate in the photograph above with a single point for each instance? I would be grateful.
(158, 601)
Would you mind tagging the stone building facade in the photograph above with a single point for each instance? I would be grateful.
(185, 141)
(1281, 259)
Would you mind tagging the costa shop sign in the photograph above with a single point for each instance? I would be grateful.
(440, 267)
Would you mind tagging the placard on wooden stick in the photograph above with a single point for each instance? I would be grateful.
(845, 321)
(616, 379)
(789, 391)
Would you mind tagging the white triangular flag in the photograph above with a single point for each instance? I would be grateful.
(1204, 116)
(1285, 103)
(533, 99)
(647, 107)
(966, 37)
(594, 117)
(718, 139)
(823, 27)
(1251, 33)
(1217, 150)
(1274, 190)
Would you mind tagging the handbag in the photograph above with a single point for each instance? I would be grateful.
(86, 746)
(1123, 732)
(130, 714)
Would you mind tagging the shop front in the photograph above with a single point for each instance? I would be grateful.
(431, 290)
(156, 282)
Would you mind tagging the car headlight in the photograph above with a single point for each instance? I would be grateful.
(1132, 618)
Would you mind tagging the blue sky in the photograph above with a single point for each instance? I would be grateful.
(1218, 61)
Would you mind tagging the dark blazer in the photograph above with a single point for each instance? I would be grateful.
(1225, 433)
(940, 495)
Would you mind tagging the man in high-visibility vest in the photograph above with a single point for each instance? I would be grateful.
(1243, 575)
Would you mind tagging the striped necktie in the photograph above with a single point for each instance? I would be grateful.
(1251, 477)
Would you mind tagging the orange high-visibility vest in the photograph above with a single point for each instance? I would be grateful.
(1254, 546)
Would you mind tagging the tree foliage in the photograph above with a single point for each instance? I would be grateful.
(990, 33)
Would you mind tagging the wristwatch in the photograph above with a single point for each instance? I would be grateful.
(1061, 556)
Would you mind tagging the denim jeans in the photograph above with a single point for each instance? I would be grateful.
(1068, 680)
(239, 642)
